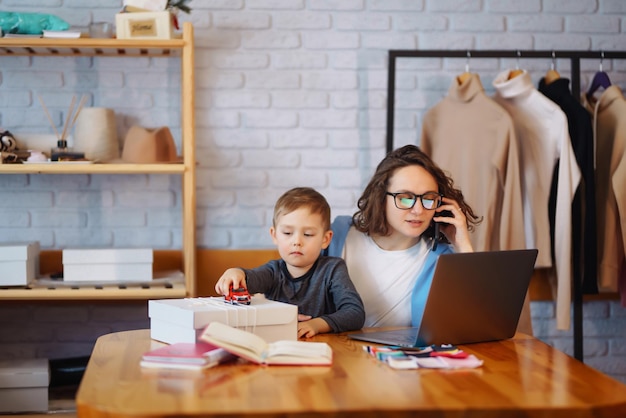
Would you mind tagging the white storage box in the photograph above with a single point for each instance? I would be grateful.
(19, 263)
(24, 385)
(182, 320)
(108, 264)
(144, 25)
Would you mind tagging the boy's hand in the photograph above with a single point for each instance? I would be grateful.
(234, 277)
(311, 327)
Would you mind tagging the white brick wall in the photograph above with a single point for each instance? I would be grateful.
(288, 92)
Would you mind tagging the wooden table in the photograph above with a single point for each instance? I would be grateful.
(521, 377)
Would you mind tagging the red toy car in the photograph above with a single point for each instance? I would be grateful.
(238, 296)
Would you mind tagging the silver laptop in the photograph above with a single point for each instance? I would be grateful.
(474, 297)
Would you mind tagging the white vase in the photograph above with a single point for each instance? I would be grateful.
(95, 134)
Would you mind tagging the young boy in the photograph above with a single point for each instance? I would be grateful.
(320, 286)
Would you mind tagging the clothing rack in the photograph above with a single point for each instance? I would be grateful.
(572, 55)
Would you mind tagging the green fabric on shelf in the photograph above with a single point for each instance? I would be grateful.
(30, 23)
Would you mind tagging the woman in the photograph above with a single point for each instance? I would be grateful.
(389, 244)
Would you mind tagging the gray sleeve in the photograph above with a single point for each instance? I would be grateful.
(337, 301)
(262, 279)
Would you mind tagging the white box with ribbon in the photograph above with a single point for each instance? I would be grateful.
(182, 320)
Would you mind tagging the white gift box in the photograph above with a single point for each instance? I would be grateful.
(182, 320)
(19, 263)
(108, 264)
(144, 25)
(24, 385)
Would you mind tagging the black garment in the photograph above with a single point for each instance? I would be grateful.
(584, 237)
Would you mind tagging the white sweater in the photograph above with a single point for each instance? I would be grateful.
(542, 132)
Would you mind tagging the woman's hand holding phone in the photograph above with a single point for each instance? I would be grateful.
(451, 221)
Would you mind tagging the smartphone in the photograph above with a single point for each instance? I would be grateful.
(445, 213)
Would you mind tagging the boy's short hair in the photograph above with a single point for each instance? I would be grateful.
(299, 197)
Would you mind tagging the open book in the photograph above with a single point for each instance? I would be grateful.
(253, 348)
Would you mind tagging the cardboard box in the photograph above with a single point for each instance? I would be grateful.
(144, 25)
(19, 263)
(24, 385)
(108, 264)
(182, 320)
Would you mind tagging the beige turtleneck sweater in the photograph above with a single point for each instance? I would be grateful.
(471, 137)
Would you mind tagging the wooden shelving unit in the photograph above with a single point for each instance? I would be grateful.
(182, 48)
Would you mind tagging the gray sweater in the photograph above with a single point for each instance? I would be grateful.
(325, 291)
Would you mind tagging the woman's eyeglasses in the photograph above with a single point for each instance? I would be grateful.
(406, 200)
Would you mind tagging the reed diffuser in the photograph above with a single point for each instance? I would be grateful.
(62, 151)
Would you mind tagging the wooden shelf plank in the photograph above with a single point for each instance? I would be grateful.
(84, 292)
(91, 47)
(69, 168)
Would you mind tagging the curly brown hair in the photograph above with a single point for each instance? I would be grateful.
(371, 216)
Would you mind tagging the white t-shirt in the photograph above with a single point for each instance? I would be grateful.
(384, 279)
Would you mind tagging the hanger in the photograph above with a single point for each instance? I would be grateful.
(600, 79)
(462, 78)
(552, 73)
(514, 73)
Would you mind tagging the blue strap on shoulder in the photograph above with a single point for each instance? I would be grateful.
(340, 227)
(423, 282)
